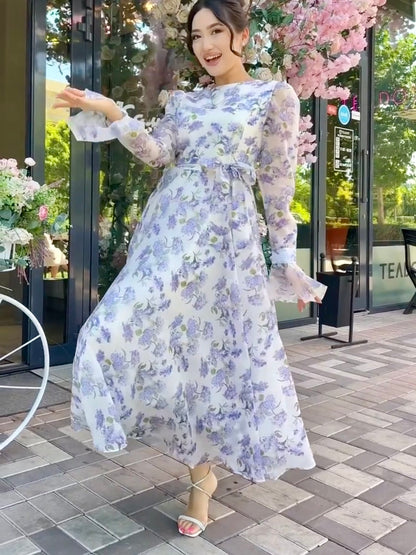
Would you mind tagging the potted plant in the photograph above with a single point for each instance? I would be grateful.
(28, 210)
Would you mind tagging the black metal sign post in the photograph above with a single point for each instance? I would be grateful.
(333, 314)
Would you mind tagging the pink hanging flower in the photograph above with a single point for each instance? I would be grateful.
(43, 213)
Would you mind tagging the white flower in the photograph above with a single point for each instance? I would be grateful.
(183, 14)
(250, 56)
(30, 162)
(265, 58)
(287, 61)
(163, 98)
(264, 74)
(171, 33)
(16, 235)
(171, 7)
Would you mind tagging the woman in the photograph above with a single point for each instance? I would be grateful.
(185, 346)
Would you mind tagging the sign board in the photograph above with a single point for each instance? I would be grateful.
(343, 149)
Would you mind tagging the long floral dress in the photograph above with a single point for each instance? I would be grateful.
(184, 347)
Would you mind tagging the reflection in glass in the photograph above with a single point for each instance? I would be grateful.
(57, 169)
(394, 186)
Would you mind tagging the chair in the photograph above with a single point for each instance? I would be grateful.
(409, 236)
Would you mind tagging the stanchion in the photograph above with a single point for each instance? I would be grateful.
(325, 311)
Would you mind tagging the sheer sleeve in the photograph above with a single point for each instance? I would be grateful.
(156, 149)
(276, 178)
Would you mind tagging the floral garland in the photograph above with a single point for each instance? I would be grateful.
(306, 42)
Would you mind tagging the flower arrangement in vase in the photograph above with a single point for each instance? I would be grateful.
(28, 210)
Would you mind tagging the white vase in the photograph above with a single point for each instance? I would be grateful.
(6, 256)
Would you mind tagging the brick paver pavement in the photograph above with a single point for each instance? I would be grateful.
(58, 496)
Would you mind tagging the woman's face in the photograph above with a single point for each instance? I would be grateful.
(211, 43)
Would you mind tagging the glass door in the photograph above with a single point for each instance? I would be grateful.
(60, 292)
(346, 229)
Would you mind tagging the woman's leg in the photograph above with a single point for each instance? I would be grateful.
(204, 484)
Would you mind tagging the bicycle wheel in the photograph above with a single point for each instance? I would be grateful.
(41, 388)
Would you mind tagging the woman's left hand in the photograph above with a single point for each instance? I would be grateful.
(302, 304)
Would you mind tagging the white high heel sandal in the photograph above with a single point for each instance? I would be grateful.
(191, 519)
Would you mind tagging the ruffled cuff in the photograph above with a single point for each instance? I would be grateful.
(288, 282)
(95, 128)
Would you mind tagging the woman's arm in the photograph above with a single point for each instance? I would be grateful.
(102, 120)
(276, 178)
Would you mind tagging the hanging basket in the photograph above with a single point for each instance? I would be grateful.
(6, 257)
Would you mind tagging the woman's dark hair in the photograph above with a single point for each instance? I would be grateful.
(231, 13)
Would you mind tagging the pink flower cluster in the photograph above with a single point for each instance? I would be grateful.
(323, 40)
(307, 142)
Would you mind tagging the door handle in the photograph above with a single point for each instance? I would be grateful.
(363, 175)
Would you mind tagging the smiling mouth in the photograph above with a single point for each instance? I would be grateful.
(213, 59)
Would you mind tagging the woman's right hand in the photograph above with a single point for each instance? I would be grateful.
(75, 98)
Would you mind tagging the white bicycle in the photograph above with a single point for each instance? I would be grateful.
(4, 300)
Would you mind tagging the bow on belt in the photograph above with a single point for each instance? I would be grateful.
(225, 170)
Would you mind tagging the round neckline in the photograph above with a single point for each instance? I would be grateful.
(214, 86)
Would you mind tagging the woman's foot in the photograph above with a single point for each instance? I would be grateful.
(204, 483)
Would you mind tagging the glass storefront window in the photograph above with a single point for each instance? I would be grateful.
(57, 169)
(394, 183)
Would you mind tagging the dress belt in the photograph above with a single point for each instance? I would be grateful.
(237, 170)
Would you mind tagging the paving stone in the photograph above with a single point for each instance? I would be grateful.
(47, 431)
(230, 484)
(247, 507)
(157, 522)
(195, 546)
(173, 488)
(139, 543)
(377, 549)
(151, 473)
(34, 475)
(23, 465)
(382, 494)
(374, 447)
(323, 490)
(55, 542)
(173, 508)
(309, 509)
(22, 546)
(239, 546)
(276, 495)
(8, 531)
(107, 489)
(8, 498)
(27, 518)
(70, 446)
(87, 533)
(401, 509)
(365, 519)
(50, 452)
(271, 541)
(14, 451)
(340, 534)
(130, 480)
(216, 509)
(80, 461)
(141, 501)
(54, 507)
(226, 527)
(29, 438)
(164, 549)
(114, 522)
(296, 533)
(331, 548)
(365, 460)
(295, 476)
(394, 477)
(403, 539)
(81, 497)
(52, 483)
(92, 470)
(347, 479)
(169, 465)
